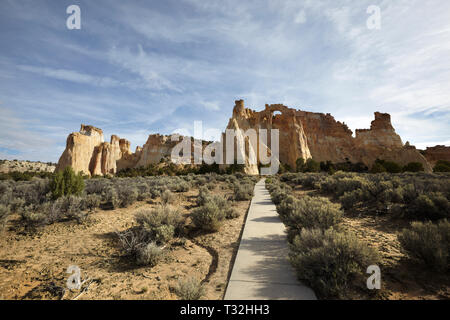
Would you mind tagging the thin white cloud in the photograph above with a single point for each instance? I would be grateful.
(71, 75)
(300, 18)
(16, 135)
(149, 67)
(211, 105)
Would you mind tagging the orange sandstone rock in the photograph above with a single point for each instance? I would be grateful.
(301, 134)
(433, 154)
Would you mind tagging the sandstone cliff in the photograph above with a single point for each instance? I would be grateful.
(81, 149)
(87, 152)
(433, 154)
(301, 134)
(319, 136)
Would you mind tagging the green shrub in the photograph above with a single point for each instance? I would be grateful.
(377, 168)
(160, 224)
(208, 217)
(92, 202)
(279, 193)
(111, 197)
(310, 180)
(66, 183)
(287, 206)
(4, 214)
(429, 206)
(300, 165)
(428, 243)
(312, 166)
(349, 184)
(127, 195)
(203, 196)
(72, 208)
(389, 166)
(327, 166)
(231, 213)
(155, 192)
(410, 193)
(96, 185)
(307, 166)
(167, 197)
(313, 212)
(33, 219)
(149, 255)
(413, 167)
(351, 198)
(442, 166)
(16, 204)
(181, 186)
(189, 289)
(243, 192)
(331, 262)
(143, 192)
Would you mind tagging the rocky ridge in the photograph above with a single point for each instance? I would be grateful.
(301, 134)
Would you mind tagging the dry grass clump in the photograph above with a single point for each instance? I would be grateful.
(167, 197)
(428, 243)
(161, 224)
(149, 254)
(209, 217)
(4, 215)
(243, 191)
(144, 244)
(212, 211)
(310, 212)
(189, 289)
(332, 263)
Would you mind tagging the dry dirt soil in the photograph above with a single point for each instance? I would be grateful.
(401, 278)
(34, 266)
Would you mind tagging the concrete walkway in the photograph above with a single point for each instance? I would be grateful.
(262, 270)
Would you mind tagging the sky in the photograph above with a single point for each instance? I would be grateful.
(141, 67)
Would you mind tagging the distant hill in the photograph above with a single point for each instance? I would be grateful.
(7, 166)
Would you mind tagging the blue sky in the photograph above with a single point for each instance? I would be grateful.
(141, 67)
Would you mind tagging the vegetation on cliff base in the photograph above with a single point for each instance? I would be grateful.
(442, 166)
(379, 166)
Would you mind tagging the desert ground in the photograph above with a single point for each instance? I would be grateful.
(176, 237)
(33, 263)
(378, 223)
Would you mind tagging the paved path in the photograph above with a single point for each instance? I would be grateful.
(261, 270)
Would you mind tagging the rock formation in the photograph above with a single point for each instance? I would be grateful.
(81, 149)
(87, 152)
(302, 134)
(319, 136)
(433, 154)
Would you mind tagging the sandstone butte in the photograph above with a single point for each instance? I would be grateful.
(301, 134)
